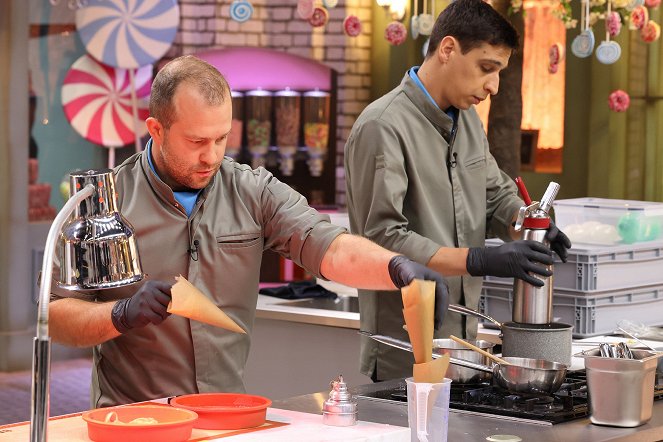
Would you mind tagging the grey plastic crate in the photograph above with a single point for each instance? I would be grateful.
(590, 314)
(602, 268)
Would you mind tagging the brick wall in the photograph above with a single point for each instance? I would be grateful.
(275, 24)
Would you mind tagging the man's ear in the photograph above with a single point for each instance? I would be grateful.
(447, 47)
(156, 130)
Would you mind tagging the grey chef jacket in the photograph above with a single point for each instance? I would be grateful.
(238, 215)
(413, 188)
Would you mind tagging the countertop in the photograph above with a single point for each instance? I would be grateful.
(269, 307)
(466, 427)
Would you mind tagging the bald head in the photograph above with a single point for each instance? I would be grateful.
(204, 77)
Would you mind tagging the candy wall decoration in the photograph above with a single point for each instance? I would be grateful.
(96, 100)
(241, 10)
(128, 33)
(319, 17)
(619, 101)
(305, 9)
(395, 33)
(352, 26)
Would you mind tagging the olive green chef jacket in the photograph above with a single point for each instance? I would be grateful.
(413, 188)
(238, 215)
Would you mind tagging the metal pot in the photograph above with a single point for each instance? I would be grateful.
(457, 373)
(551, 342)
(525, 375)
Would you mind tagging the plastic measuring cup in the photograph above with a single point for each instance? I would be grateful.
(428, 410)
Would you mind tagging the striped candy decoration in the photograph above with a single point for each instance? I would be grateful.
(97, 101)
(128, 33)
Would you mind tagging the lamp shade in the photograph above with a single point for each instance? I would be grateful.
(97, 248)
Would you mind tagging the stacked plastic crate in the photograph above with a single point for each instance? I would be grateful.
(614, 270)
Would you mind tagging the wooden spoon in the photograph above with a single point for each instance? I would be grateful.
(478, 350)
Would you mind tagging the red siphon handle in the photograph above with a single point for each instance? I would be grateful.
(523, 190)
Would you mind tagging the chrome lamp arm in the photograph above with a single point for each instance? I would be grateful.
(39, 406)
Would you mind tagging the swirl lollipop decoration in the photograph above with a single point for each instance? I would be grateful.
(241, 10)
(97, 102)
(128, 34)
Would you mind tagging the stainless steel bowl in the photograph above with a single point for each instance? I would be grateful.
(459, 374)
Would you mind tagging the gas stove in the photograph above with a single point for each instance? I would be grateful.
(568, 403)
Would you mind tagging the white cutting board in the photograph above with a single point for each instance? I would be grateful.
(309, 427)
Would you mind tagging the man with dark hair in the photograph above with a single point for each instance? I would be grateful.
(435, 189)
(202, 215)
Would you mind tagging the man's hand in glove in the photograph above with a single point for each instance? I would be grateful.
(559, 242)
(403, 270)
(511, 260)
(147, 306)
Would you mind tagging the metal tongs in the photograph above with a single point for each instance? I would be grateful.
(619, 351)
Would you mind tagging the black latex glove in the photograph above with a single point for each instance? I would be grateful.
(559, 242)
(403, 270)
(147, 306)
(511, 260)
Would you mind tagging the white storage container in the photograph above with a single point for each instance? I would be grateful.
(590, 314)
(609, 221)
(592, 268)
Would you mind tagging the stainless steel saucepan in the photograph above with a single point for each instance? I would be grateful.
(523, 375)
(551, 342)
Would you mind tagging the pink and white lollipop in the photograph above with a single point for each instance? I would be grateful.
(305, 9)
(619, 101)
(96, 99)
(352, 26)
(395, 33)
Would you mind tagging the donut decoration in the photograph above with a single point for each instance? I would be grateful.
(556, 54)
(652, 3)
(352, 26)
(241, 10)
(614, 24)
(619, 101)
(650, 32)
(329, 4)
(305, 9)
(639, 17)
(319, 17)
(395, 33)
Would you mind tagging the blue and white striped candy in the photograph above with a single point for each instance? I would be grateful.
(241, 10)
(128, 33)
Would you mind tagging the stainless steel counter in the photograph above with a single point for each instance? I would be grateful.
(466, 427)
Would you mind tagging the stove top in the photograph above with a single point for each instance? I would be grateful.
(568, 403)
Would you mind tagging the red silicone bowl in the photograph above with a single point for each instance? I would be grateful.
(174, 424)
(225, 411)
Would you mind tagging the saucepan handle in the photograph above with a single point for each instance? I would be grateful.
(468, 311)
